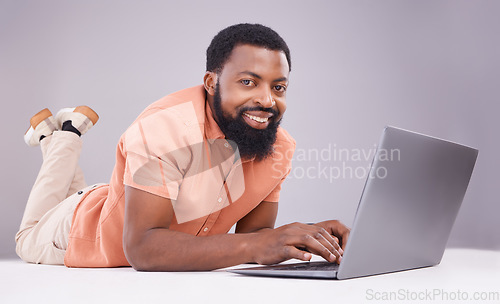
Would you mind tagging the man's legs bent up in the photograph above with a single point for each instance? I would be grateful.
(44, 230)
(78, 182)
(36, 239)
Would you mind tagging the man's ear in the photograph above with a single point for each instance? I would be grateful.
(209, 81)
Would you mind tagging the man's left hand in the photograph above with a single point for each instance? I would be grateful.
(339, 231)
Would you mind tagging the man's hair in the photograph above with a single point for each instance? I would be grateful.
(223, 43)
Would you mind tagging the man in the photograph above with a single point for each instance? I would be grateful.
(192, 165)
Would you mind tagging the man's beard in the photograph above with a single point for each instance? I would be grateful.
(251, 142)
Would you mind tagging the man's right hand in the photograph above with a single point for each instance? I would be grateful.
(272, 246)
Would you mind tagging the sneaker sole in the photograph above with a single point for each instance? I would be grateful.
(38, 118)
(87, 111)
(28, 135)
(34, 122)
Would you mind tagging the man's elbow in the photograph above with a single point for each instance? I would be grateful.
(139, 264)
(136, 257)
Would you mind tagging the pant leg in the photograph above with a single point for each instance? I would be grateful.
(78, 182)
(50, 189)
(47, 241)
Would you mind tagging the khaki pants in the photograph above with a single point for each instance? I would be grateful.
(44, 230)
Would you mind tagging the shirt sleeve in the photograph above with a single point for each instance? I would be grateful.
(154, 157)
(274, 196)
(285, 148)
(154, 175)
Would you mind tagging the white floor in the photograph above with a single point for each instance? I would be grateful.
(461, 272)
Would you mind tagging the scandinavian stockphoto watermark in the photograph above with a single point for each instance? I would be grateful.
(435, 294)
(333, 162)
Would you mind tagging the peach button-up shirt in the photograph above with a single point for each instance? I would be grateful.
(176, 150)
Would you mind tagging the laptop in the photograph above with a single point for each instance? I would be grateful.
(408, 206)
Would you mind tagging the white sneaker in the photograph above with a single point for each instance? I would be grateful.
(41, 124)
(82, 118)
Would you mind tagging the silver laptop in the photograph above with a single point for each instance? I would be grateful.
(409, 203)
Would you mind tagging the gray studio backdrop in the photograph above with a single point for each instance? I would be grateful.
(428, 66)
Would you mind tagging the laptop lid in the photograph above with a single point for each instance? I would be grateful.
(408, 206)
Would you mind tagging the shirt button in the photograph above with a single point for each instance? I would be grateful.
(219, 200)
(206, 229)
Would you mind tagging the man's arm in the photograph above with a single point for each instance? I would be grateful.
(261, 217)
(150, 245)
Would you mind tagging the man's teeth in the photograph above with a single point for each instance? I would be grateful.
(256, 118)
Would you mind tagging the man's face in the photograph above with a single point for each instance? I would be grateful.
(250, 98)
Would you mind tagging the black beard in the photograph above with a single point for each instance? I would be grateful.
(251, 142)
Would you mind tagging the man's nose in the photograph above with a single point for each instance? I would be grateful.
(265, 98)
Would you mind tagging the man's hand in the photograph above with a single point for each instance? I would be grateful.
(339, 231)
(283, 243)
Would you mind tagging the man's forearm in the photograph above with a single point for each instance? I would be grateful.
(167, 250)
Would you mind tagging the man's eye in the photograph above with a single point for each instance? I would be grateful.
(280, 88)
(246, 82)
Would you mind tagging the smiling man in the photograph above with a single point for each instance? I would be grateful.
(191, 166)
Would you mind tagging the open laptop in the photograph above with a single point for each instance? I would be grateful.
(408, 206)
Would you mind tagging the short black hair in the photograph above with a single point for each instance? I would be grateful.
(224, 42)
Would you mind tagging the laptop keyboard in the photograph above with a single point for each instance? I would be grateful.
(305, 266)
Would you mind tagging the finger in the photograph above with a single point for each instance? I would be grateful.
(336, 239)
(336, 250)
(313, 245)
(327, 248)
(291, 252)
(339, 230)
(303, 249)
(326, 240)
(329, 241)
(333, 240)
(327, 234)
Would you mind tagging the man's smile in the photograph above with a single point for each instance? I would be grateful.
(257, 119)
